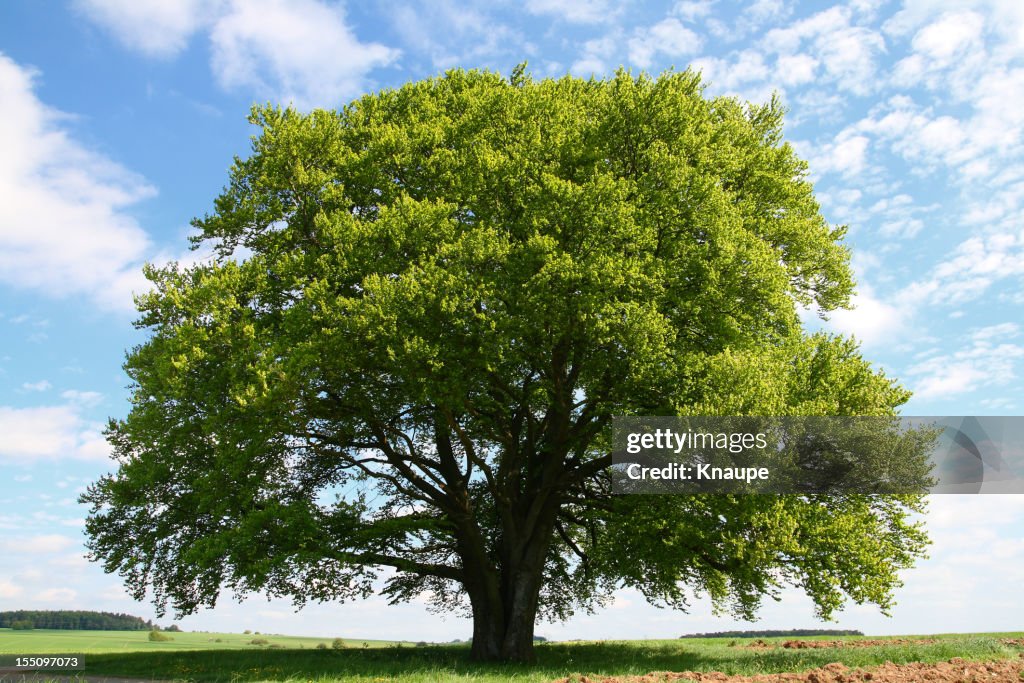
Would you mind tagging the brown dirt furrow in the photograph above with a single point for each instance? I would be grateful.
(954, 671)
(808, 644)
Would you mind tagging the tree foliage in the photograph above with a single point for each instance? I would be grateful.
(424, 310)
(75, 620)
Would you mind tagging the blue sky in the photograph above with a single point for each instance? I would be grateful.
(119, 119)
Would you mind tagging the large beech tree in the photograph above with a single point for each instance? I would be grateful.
(422, 313)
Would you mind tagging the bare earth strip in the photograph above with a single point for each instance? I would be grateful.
(811, 644)
(955, 670)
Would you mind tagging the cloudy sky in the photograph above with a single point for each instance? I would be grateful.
(119, 119)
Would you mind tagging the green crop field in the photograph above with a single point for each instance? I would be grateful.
(43, 641)
(230, 658)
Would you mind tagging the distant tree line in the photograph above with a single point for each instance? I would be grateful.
(73, 621)
(792, 633)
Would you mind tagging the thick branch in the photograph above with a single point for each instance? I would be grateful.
(406, 565)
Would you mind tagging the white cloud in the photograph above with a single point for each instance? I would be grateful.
(40, 544)
(454, 34)
(956, 513)
(897, 215)
(978, 365)
(691, 10)
(41, 385)
(65, 228)
(574, 11)
(998, 404)
(298, 51)
(795, 69)
(847, 53)
(967, 55)
(871, 320)
(596, 53)
(916, 134)
(8, 590)
(70, 561)
(788, 40)
(93, 446)
(1006, 18)
(947, 55)
(273, 614)
(301, 51)
(588, 65)
(1001, 330)
(887, 204)
(57, 595)
(86, 399)
(952, 33)
(751, 19)
(115, 593)
(846, 155)
(156, 29)
(743, 74)
(998, 99)
(972, 268)
(983, 146)
(834, 49)
(761, 10)
(815, 104)
(668, 37)
(49, 433)
(903, 228)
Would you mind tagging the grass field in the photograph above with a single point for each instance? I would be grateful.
(43, 641)
(198, 657)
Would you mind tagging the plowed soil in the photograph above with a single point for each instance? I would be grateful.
(954, 671)
(807, 644)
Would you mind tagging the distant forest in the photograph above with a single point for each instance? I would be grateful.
(793, 633)
(73, 621)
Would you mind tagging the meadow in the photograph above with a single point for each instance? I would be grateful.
(44, 641)
(200, 657)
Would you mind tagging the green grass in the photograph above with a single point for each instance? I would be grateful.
(239, 663)
(42, 641)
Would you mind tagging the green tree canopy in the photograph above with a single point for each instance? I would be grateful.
(424, 311)
(73, 620)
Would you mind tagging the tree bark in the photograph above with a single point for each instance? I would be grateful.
(488, 631)
(505, 599)
(503, 630)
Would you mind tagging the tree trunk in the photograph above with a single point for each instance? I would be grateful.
(521, 618)
(505, 598)
(488, 632)
(504, 631)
